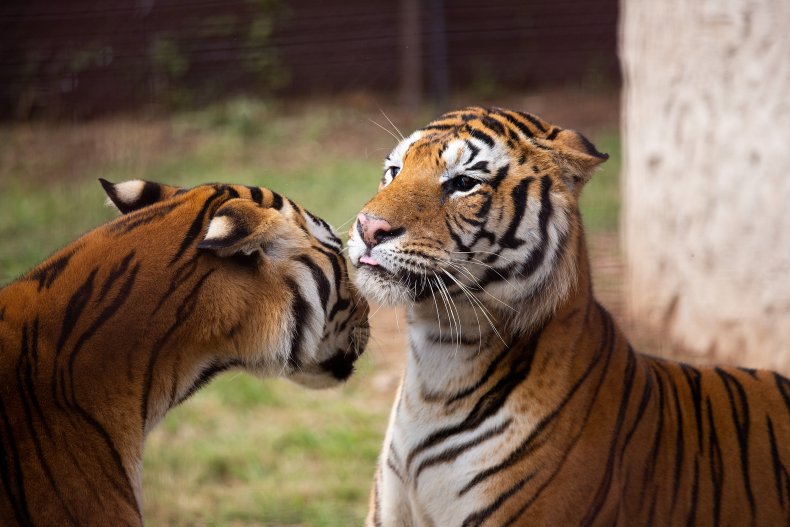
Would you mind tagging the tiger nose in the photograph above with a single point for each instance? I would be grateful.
(375, 230)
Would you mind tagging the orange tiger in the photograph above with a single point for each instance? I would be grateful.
(522, 403)
(98, 342)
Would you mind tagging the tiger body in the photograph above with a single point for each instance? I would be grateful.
(522, 403)
(102, 339)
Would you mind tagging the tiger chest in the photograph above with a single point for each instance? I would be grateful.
(430, 463)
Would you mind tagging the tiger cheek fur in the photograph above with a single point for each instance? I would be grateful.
(522, 403)
(99, 341)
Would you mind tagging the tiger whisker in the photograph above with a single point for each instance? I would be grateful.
(474, 309)
(483, 309)
(385, 129)
(393, 124)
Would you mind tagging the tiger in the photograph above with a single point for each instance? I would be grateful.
(522, 402)
(99, 341)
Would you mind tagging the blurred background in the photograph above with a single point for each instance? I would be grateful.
(307, 98)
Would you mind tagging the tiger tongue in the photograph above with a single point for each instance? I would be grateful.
(368, 260)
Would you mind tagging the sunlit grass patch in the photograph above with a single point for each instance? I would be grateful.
(267, 452)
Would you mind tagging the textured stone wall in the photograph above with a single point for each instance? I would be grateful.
(706, 124)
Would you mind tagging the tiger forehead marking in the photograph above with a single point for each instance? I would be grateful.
(522, 403)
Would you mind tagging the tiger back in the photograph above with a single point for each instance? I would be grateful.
(522, 403)
(99, 341)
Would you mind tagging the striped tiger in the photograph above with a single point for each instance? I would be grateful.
(99, 341)
(522, 403)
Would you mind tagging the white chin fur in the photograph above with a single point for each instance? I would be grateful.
(383, 292)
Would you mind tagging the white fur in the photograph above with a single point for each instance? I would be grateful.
(219, 228)
(129, 191)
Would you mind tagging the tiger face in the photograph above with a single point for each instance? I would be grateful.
(255, 244)
(481, 203)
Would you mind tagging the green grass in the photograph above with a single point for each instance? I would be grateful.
(265, 452)
(243, 451)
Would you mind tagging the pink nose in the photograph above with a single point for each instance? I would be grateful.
(374, 230)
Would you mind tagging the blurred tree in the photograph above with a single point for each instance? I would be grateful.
(707, 127)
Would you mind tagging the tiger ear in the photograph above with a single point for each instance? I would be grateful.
(580, 157)
(242, 227)
(135, 194)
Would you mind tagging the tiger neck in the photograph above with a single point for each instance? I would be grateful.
(77, 387)
(449, 348)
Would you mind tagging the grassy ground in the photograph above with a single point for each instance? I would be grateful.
(245, 451)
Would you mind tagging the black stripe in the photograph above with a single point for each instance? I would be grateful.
(649, 474)
(320, 279)
(14, 490)
(783, 385)
(469, 390)
(472, 155)
(438, 127)
(501, 174)
(481, 166)
(197, 226)
(256, 195)
(640, 412)
(493, 124)
(694, 380)
(74, 308)
(538, 255)
(534, 120)
(118, 271)
(459, 243)
(478, 517)
(691, 519)
(606, 483)
(131, 221)
(453, 453)
(482, 136)
(106, 314)
(679, 446)
(518, 124)
(341, 303)
(519, 195)
(716, 463)
(781, 476)
(48, 272)
(277, 200)
(182, 273)
(214, 368)
(300, 314)
(553, 134)
(740, 418)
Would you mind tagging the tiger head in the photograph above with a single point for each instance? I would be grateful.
(276, 298)
(483, 204)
